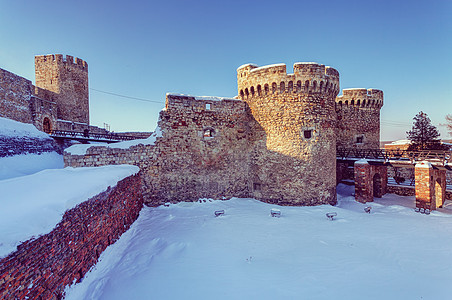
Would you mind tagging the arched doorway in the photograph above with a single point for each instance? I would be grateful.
(47, 125)
(377, 188)
(438, 193)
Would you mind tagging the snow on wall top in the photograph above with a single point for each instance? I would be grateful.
(36, 209)
(80, 149)
(11, 128)
(205, 98)
(401, 142)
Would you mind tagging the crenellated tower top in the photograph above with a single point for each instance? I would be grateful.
(360, 98)
(67, 77)
(308, 77)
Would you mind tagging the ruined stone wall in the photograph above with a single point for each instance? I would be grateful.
(203, 152)
(10, 146)
(293, 146)
(15, 94)
(41, 268)
(358, 115)
(204, 149)
(67, 77)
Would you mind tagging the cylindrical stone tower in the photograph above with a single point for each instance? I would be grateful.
(293, 157)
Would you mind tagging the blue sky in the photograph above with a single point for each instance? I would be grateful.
(144, 49)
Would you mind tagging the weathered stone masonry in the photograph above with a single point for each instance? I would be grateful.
(41, 268)
(277, 143)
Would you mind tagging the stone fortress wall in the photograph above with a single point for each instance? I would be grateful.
(358, 115)
(276, 141)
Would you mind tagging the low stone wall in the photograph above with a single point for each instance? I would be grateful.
(400, 190)
(21, 145)
(41, 268)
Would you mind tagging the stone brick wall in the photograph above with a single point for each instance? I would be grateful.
(358, 114)
(293, 144)
(42, 267)
(10, 146)
(15, 94)
(67, 77)
(401, 190)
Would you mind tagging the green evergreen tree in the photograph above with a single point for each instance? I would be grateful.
(423, 135)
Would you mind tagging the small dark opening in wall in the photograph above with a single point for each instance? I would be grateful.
(359, 140)
(307, 134)
(256, 186)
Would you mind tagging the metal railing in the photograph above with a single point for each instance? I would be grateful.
(86, 135)
(402, 155)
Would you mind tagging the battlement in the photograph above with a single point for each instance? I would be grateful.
(359, 97)
(201, 103)
(308, 77)
(62, 59)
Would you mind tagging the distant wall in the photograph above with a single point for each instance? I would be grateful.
(21, 145)
(43, 267)
(15, 94)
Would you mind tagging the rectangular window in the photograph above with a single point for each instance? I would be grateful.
(307, 134)
(208, 106)
(359, 140)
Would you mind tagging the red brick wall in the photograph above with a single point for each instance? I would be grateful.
(42, 267)
(426, 194)
(364, 174)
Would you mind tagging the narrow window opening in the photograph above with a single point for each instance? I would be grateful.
(208, 106)
(359, 140)
(256, 186)
(307, 134)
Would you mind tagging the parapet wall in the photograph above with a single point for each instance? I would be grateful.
(41, 268)
(358, 115)
(273, 79)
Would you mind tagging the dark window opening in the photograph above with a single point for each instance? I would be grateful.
(307, 134)
(256, 186)
(359, 140)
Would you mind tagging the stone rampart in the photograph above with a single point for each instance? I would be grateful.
(15, 94)
(41, 268)
(10, 146)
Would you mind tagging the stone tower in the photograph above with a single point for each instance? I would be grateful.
(293, 155)
(358, 114)
(67, 77)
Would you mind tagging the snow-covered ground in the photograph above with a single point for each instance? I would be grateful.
(11, 128)
(26, 164)
(32, 205)
(184, 252)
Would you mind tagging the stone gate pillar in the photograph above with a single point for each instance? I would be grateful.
(430, 186)
(370, 181)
